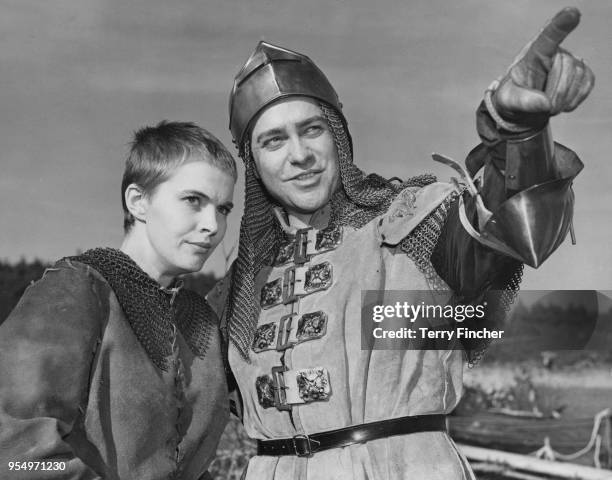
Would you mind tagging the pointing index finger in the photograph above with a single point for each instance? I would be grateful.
(555, 31)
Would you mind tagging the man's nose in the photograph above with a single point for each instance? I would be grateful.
(208, 220)
(299, 152)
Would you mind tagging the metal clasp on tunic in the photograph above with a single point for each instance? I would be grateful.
(296, 282)
(271, 389)
(307, 243)
(284, 332)
(301, 281)
(290, 330)
(305, 239)
(280, 394)
(284, 387)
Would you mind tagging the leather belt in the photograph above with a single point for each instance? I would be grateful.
(306, 445)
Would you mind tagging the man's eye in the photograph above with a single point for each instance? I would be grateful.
(272, 142)
(314, 130)
(193, 200)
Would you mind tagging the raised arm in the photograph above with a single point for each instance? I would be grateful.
(522, 209)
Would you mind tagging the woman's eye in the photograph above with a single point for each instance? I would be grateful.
(223, 210)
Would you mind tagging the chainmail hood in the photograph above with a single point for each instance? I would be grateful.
(152, 310)
(360, 199)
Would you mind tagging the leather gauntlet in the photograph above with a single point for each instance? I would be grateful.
(525, 204)
(536, 217)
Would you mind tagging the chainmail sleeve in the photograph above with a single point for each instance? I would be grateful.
(476, 274)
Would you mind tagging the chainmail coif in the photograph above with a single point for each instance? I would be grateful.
(152, 310)
(361, 198)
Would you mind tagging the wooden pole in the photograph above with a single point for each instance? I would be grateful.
(534, 465)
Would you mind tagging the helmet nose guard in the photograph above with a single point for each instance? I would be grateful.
(272, 73)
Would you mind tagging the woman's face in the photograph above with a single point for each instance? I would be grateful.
(186, 218)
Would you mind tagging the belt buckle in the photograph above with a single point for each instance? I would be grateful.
(308, 451)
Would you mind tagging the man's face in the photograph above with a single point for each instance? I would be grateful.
(295, 155)
(186, 217)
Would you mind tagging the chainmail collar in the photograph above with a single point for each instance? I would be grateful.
(153, 312)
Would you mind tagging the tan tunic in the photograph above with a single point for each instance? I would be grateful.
(365, 385)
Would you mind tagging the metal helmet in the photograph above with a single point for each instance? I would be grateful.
(271, 73)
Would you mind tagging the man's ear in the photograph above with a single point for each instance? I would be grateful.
(137, 202)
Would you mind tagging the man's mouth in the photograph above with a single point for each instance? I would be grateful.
(306, 175)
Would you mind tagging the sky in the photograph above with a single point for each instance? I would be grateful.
(78, 77)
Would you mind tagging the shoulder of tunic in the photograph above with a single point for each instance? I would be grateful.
(411, 206)
(64, 283)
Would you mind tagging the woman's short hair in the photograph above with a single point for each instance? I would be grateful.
(155, 152)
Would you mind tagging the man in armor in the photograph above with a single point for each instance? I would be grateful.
(317, 231)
